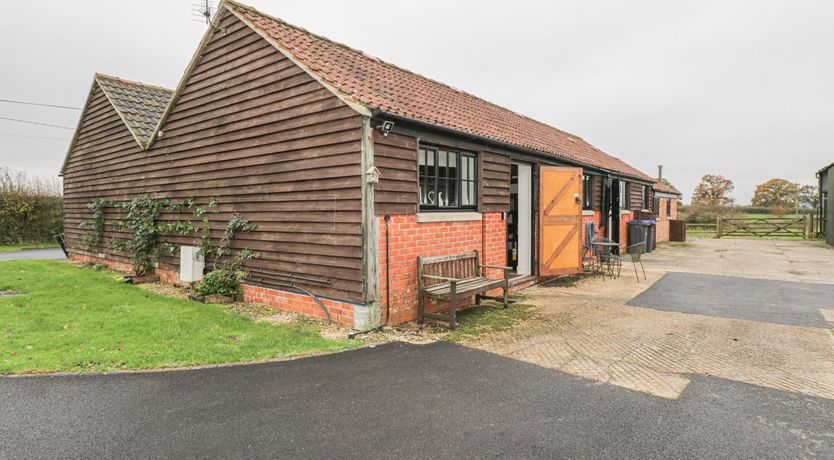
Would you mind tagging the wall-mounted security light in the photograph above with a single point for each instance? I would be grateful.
(385, 127)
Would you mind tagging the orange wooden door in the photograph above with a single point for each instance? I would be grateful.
(560, 220)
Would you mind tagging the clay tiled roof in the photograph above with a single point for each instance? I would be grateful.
(140, 105)
(381, 86)
(661, 187)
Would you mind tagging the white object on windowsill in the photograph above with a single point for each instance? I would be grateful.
(588, 212)
(440, 216)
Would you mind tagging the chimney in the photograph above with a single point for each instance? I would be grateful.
(659, 172)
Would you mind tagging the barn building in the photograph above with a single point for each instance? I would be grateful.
(350, 167)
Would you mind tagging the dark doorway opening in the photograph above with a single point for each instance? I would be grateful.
(519, 219)
(512, 220)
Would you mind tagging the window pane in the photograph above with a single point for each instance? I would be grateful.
(428, 194)
(471, 193)
(451, 198)
(453, 171)
(471, 161)
(442, 195)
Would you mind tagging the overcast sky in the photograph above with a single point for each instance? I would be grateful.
(739, 88)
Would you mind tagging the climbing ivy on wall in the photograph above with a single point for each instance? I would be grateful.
(95, 228)
(141, 221)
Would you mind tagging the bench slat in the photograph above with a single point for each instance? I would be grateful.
(449, 257)
(463, 287)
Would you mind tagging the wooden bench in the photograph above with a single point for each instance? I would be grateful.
(455, 276)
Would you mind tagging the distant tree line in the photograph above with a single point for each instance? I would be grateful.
(31, 209)
(713, 198)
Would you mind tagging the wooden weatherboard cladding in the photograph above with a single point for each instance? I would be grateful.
(494, 183)
(397, 190)
(636, 196)
(253, 129)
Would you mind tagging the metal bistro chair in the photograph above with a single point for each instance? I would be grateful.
(635, 251)
(589, 255)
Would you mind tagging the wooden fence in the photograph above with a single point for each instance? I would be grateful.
(763, 227)
(697, 229)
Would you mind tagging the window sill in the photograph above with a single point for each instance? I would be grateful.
(588, 212)
(463, 216)
(625, 211)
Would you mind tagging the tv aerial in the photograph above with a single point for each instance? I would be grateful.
(203, 10)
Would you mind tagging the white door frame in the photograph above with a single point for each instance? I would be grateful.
(525, 218)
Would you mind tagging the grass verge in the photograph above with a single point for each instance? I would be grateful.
(20, 247)
(77, 319)
(487, 319)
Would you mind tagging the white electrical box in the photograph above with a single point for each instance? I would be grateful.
(191, 264)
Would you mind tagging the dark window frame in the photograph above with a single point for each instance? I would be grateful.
(460, 181)
(668, 207)
(587, 192)
(645, 198)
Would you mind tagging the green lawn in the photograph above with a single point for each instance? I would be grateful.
(18, 247)
(77, 319)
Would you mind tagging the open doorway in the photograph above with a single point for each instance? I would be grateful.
(520, 219)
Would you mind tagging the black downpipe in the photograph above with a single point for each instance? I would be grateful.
(387, 276)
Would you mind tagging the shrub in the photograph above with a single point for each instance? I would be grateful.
(220, 281)
(31, 210)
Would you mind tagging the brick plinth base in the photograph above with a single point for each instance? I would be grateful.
(165, 276)
(340, 312)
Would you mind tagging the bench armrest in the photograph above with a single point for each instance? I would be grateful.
(497, 267)
(441, 278)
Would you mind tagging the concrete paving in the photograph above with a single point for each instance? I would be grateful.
(770, 301)
(33, 254)
(801, 261)
(399, 401)
(747, 330)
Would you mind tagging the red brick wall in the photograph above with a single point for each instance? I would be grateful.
(624, 218)
(340, 312)
(663, 219)
(592, 218)
(409, 239)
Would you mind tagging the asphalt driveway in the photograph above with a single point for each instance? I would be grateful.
(770, 301)
(399, 401)
(34, 254)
